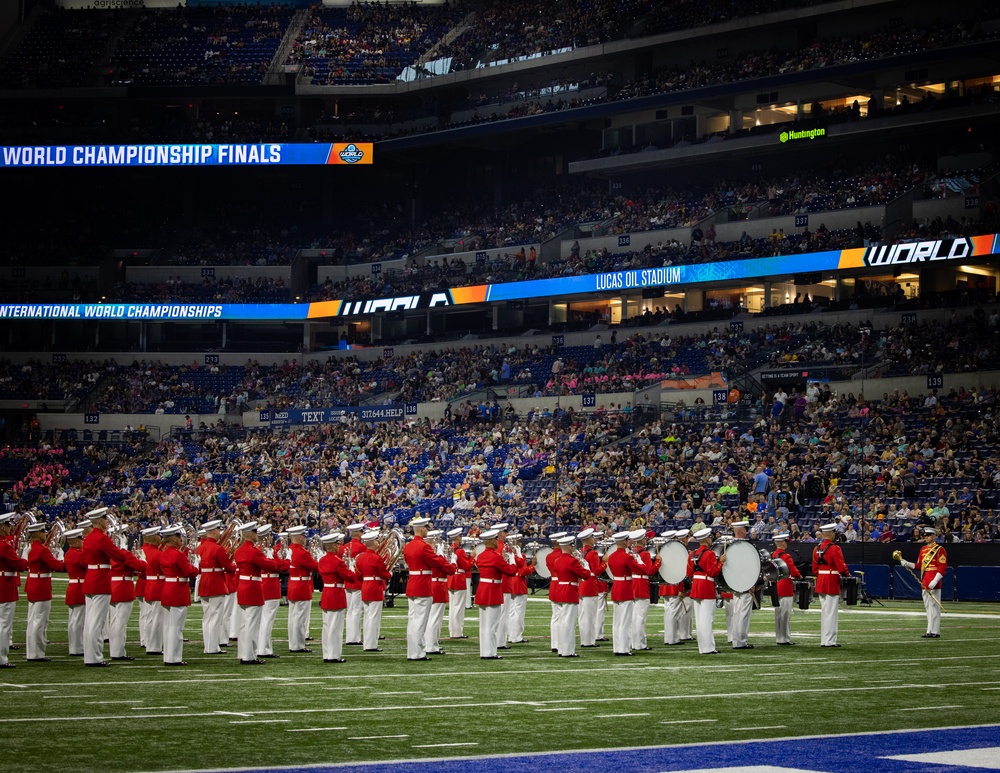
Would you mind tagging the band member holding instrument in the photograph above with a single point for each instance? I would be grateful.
(374, 574)
(420, 558)
(569, 570)
(76, 569)
(640, 609)
(672, 606)
(252, 563)
(590, 589)
(687, 609)
(509, 555)
(350, 554)
(333, 602)
(214, 562)
(785, 590)
(623, 566)
(518, 585)
(122, 601)
(10, 564)
(741, 604)
(38, 589)
(933, 563)
(175, 599)
(703, 568)
(270, 585)
(458, 586)
(439, 598)
(489, 598)
(550, 566)
(153, 638)
(828, 567)
(301, 568)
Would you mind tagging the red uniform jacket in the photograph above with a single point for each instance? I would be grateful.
(122, 584)
(77, 570)
(624, 569)
(353, 549)
(177, 575)
(592, 586)
(300, 574)
(640, 582)
(828, 566)
(703, 567)
(439, 584)
(374, 574)
(251, 564)
(492, 568)
(565, 587)
(550, 560)
(931, 562)
(519, 582)
(785, 585)
(213, 564)
(270, 581)
(335, 575)
(463, 564)
(41, 565)
(98, 550)
(154, 578)
(420, 557)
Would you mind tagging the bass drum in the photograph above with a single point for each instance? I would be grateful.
(478, 549)
(674, 561)
(541, 568)
(741, 571)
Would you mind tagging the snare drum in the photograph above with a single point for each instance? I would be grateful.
(674, 561)
(772, 569)
(741, 571)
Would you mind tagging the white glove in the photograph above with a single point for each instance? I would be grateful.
(935, 581)
(907, 564)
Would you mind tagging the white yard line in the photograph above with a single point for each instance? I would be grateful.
(257, 721)
(314, 729)
(618, 716)
(373, 737)
(440, 745)
(931, 708)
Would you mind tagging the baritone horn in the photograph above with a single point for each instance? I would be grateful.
(390, 548)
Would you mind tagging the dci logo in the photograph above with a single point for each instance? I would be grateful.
(351, 154)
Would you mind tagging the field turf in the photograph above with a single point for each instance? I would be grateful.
(296, 710)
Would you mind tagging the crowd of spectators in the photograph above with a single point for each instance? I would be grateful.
(222, 289)
(35, 380)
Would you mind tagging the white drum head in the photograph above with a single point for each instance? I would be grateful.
(477, 550)
(541, 568)
(674, 558)
(742, 568)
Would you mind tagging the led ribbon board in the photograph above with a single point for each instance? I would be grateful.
(268, 154)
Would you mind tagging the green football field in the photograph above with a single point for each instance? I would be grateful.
(296, 710)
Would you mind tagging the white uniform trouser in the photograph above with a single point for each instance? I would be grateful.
(38, 623)
(704, 616)
(74, 628)
(829, 608)
(118, 630)
(456, 612)
(6, 628)
(640, 611)
(554, 625)
(783, 620)
(933, 610)
(298, 624)
(353, 616)
(143, 622)
(489, 619)
(672, 611)
(249, 629)
(93, 627)
(727, 605)
(154, 628)
(602, 611)
(687, 616)
(173, 633)
(567, 628)
(621, 625)
(588, 620)
(515, 617)
(418, 611)
(372, 625)
(742, 606)
(212, 608)
(333, 633)
(267, 617)
(432, 633)
(233, 621)
(503, 634)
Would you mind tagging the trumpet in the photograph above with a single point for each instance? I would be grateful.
(579, 557)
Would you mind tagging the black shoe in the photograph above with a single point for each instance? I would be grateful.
(713, 652)
(442, 652)
(785, 643)
(271, 656)
(744, 647)
(491, 657)
(38, 660)
(305, 649)
(376, 649)
(224, 644)
(102, 664)
(154, 652)
(254, 662)
(643, 649)
(931, 636)
(588, 646)
(382, 638)
(624, 655)
(601, 639)
(177, 663)
(8, 664)
(123, 657)
(519, 641)
(220, 652)
(423, 658)
(673, 643)
(18, 646)
(507, 647)
(452, 637)
(829, 645)
(310, 638)
(338, 660)
(574, 655)
(76, 654)
(233, 638)
(553, 649)
(353, 643)
(688, 639)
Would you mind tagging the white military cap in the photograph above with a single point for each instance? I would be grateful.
(503, 526)
(828, 527)
(150, 531)
(8, 517)
(669, 534)
(569, 539)
(744, 524)
(637, 534)
(264, 528)
(36, 527)
(84, 524)
(295, 530)
(783, 537)
(73, 534)
(556, 535)
(586, 533)
(171, 530)
(100, 512)
(622, 536)
(368, 536)
(248, 526)
(929, 530)
(356, 527)
(491, 534)
(215, 523)
(514, 536)
(681, 533)
(454, 532)
(702, 533)
(419, 521)
(434, 533)
(333, 536)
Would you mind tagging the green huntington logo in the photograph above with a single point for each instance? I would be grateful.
(806, 134)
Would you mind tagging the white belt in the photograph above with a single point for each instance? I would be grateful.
(440, 579)
(75, 582)
(271, 576)
(460, 574)
(333, 585)
(489, 582)
(620, 579)
(174, 579)
(300, 579)
(98, 566)
(212, 569)
(572, 584)
(121, 579)
(827, 571)
(157, 577)
(703, 577)
(8, 574)
(248, 577)
(371, 579)
(422, 571)
(42, 577)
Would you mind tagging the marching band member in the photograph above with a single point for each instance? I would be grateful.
(350, 554)
(489, 598)
(458, 586)
(122, 601)
(333, 601)
(175, 598)
(439, 598)
(509, 556)
(38, 589)
(570, 570)
(623, 566)
(374, 574)
(828, 567)
(590, 589)
(933, 563)
(76, 569)
(213, 564)
(420, 558)
(518, 585)
(785, 590)
(550, 565)
(703, 568)
(98, 550)
(231, 609)
(741, 604)
(270, 585)
(153, 639)
(252, 563)
(672, 606)
(640, 607)
(302, 566)
(10, 565)
(687, 610)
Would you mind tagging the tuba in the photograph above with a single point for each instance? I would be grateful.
(20, 538)
(391, 547)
